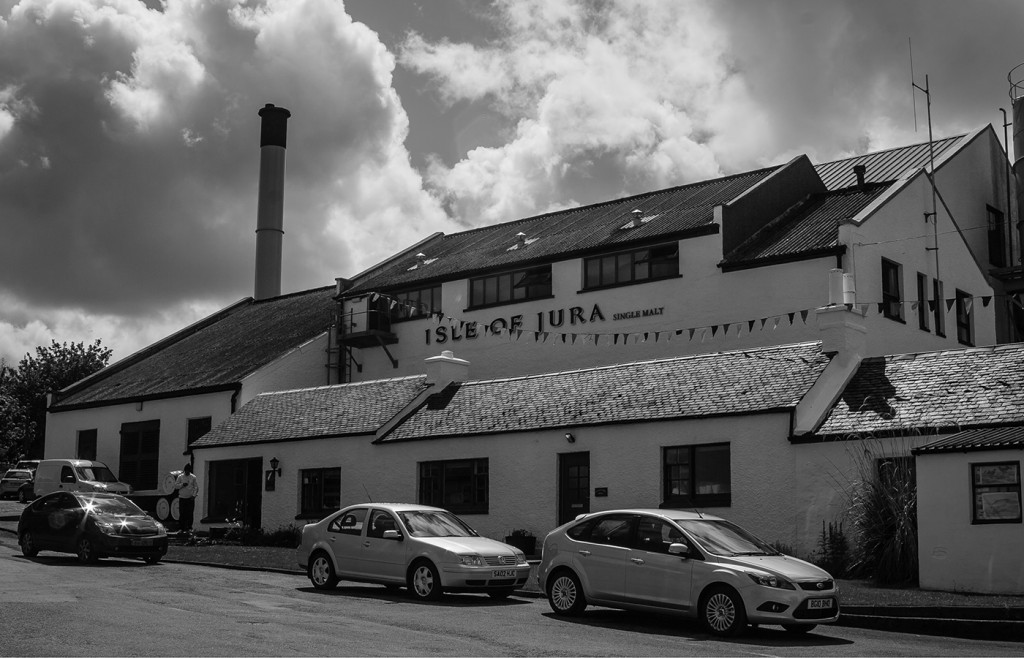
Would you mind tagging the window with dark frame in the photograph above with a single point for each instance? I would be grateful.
(995, 489)
(414, 304)
(509, 287)
(196, 427)
(459, 485)
(922, 302)
(140, 454)
(892, 290)
(996, 237)
(636, 266)
(940, 314)
(87, 444)
(320, 491)
(964, 318)
(696, 476)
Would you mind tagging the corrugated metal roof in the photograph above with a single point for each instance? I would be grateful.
(810, 226)
(556, 235)
(216, 353)
(993, 438)
(882, 166)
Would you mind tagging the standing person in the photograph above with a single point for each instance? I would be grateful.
(187, 486)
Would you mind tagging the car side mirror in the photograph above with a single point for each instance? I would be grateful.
(393, 534)
(680, 549)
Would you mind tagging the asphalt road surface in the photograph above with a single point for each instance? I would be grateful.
(53, 606)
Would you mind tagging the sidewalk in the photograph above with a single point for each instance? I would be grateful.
(907, 611)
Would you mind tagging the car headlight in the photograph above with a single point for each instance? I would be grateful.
(108, 528)
(161, 531)
(472, 560)
(768, 580)
(520, 557)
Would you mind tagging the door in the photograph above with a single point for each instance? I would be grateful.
(653, 576)
(601, 556)
(383, 559)
(235, 491)
(345, 539)
(573, 485)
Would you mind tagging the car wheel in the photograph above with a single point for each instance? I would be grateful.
(28, 545)
(321, 571)
(23, 495)
(799, 628)
(424, 581)
(565, 594)
(501, 593)
(151, 559)
(86, 550)
(722, 612)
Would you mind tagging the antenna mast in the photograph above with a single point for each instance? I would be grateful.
(931, 178)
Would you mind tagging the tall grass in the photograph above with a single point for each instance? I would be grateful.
(883, 514)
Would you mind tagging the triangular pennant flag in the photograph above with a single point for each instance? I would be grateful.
(763, 322)
(703, 334)
(679, 332)
(803, 315)
(373, 297)
(750, 326)
(714, 328)
(864, 308)
(791, 316)
(775, 322)
(691, 333)
(968, 304)
(657, 336)
(572, 340)
(949, 304)
(394, 303)
(985, 300)
(881, 307)
(913, 306)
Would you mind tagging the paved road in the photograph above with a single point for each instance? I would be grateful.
(51, 605)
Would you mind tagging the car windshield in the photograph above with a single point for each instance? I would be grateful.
(430, 523)
(95, 474)
(18, 475)
(724, 538)
(113, 507)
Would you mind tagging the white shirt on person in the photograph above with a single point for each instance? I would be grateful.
(186, 484)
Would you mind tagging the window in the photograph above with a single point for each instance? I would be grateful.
(940, 315)
(648, 264)
(611, 529)
(696, 476)
(320, 491)
(460, 486)
(996, 490)
(350, 523)
(140, 454)
(412, 304)
(964, 318)
(655, 535)
(380, 522)
(507, 287)
(922, 301)
(892, 290)
(996, 238)
(87, 444)
(196, 428)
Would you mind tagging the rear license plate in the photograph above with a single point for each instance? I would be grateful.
(141, 542)
(819, 604)
(503, 573)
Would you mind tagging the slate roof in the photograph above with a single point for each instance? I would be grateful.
(809, 227)
(669, 214)
(315, 413)
(213, 354)
(930, 392)
(723, 383)
(993, 438)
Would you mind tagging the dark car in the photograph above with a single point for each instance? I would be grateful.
(91, 524)
(17, 483)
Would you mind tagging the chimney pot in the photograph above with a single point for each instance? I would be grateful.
(860, 170)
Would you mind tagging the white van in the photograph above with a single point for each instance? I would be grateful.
(76, 475)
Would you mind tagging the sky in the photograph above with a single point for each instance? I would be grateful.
(129, 134)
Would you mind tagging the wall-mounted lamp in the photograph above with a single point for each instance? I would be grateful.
(570, 438)
(275, 465)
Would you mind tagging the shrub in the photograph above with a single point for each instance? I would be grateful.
(833, 553)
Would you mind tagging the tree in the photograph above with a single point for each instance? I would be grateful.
(23, 392)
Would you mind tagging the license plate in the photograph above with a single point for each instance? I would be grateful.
(140, 542)
(503, 573)
(819, 604)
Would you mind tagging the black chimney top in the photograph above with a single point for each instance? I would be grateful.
(274, 130)
(860, 170)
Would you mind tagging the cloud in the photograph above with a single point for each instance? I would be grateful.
(129, 155)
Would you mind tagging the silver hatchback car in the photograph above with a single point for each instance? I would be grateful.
(673, 561)
(427, 549)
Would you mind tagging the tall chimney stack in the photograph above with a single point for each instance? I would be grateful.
(270, 208)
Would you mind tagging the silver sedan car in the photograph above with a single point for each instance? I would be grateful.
(427, 549)
(695, 564)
